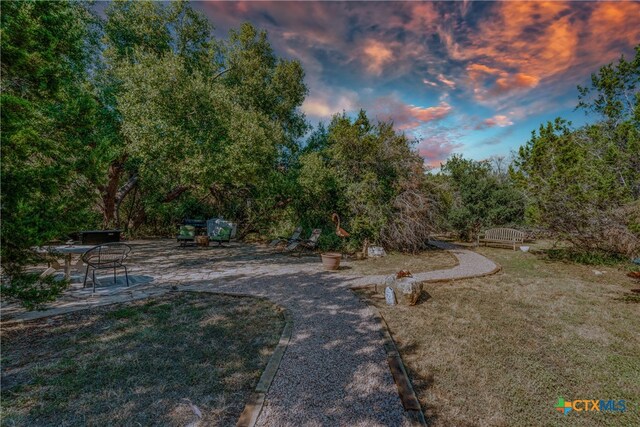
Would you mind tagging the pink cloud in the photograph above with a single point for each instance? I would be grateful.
(377, 55)
(450, 83)
(436, 149)
(407, 116)
(323, 102)
(526, 45)
(490, 82)
(498, 120)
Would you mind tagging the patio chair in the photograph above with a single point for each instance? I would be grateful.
(295, 236)
(220, 234)
(309, 244)
(220, 230)
(106, 256)
(186, 234)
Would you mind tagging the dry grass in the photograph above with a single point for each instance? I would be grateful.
(430, 260)
(500, 350)
(141, 363)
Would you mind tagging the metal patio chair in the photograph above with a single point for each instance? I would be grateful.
(106, 256)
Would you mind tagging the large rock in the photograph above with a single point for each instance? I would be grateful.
(407, 289)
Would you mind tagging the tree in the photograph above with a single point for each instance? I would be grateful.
(585, 183)
(200, 121)
(372, 177)
(483, 196)
(48, 117)
(135, 30)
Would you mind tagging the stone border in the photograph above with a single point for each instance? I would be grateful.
(253, 407)
(408, 397)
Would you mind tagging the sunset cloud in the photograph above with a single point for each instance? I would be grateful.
(377, 56)
(436, 149)
(503, 64)
(323, 104)
(406, 116)
(450, 83)
(498, 120)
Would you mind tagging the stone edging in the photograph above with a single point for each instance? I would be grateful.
(254, 406)
(408, 397)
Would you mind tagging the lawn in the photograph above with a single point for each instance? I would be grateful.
(153, 362)
(501, 350)
(433, 259)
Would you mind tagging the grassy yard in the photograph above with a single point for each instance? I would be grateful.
(434, 259)
(501, 350)
(141, 363)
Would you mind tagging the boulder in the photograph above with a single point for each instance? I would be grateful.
(406, 289)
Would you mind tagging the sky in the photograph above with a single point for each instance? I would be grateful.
(473, 78)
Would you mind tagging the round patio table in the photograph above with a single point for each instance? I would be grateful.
(68, 251)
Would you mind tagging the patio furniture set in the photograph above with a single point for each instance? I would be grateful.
(110, 255)
(203, 232)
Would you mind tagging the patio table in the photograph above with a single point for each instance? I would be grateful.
(68, 251)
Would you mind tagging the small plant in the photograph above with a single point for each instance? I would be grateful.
(31, 290)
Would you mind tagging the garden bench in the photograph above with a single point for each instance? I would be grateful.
(501, 237)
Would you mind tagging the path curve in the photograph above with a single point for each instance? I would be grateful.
(470, 264)
(334, 371)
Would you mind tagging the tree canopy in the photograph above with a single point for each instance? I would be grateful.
(142, 118)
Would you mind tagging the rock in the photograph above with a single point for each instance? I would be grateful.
(376, 251)
(406, 289)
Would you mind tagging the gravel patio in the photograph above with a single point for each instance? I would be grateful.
(334, 371)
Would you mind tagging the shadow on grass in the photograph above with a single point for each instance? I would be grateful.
(334, 370)
(139, 363)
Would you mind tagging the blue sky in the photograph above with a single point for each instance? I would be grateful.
(461, 77)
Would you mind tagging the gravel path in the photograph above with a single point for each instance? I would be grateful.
(334, 371)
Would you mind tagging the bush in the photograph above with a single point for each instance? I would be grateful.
(594, 257)
(31, 290)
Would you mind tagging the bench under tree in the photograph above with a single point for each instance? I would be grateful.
(502, 237)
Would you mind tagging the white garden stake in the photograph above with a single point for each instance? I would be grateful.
(390, 296)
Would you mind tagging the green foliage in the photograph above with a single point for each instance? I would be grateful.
(33, 291)
(358, 169)
(47, 126)
(585, 257)
(483, 196)
(614, 91)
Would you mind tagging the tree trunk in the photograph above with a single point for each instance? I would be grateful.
(122, 193)
(110, 191)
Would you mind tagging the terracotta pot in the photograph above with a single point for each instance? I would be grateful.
(331, 260)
